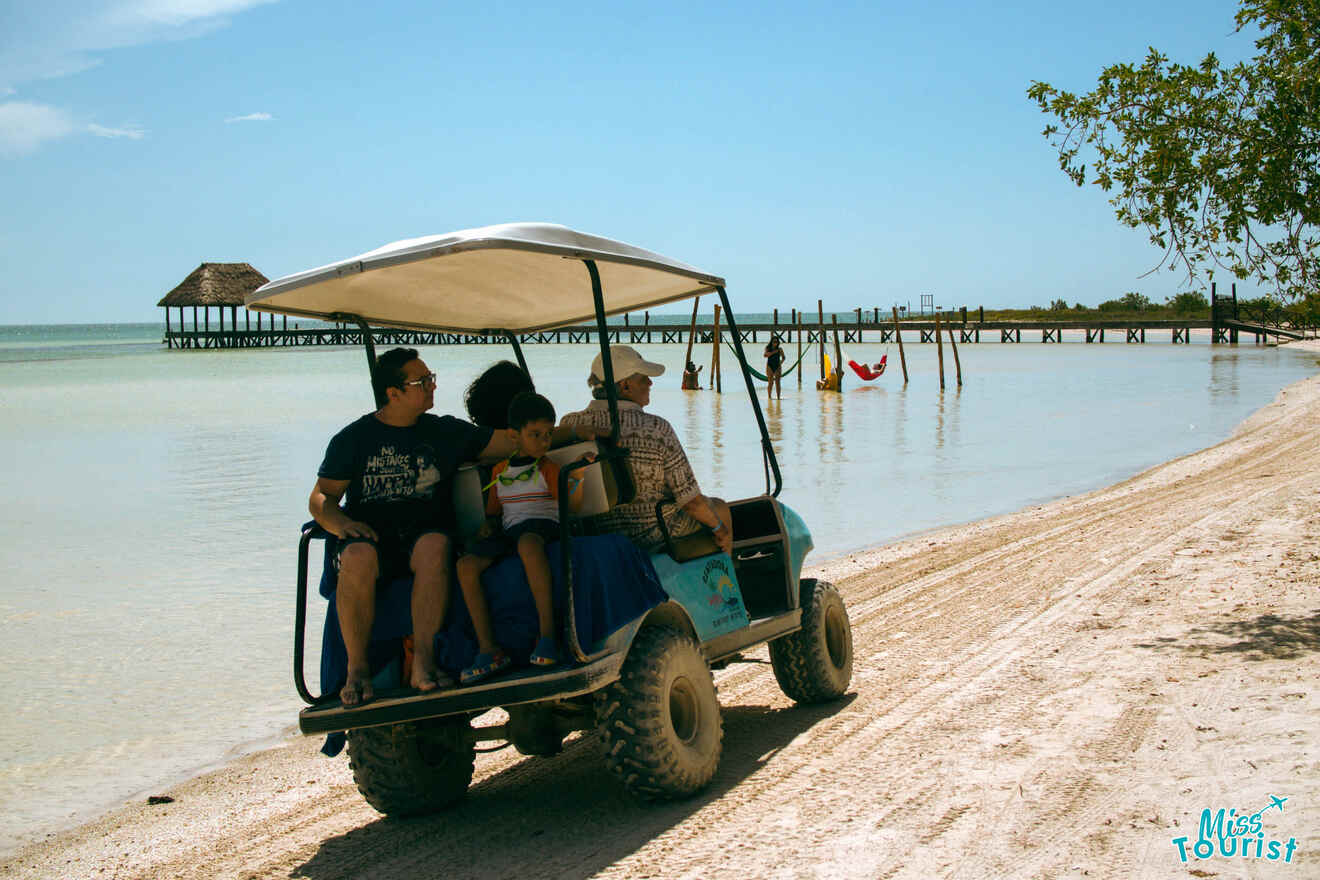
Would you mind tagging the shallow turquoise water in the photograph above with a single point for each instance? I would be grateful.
(148, 543)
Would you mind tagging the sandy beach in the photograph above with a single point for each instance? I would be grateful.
(1055, 693)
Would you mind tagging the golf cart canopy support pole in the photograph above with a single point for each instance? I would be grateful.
(517, 351)
(377, 393)
(767, 448)
(565, 543)
(611, 392)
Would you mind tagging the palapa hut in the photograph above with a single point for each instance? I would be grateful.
(216, 286)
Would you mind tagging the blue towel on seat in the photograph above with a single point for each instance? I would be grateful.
(614, 583)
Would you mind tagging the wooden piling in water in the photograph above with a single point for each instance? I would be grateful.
(939, 345)
(820, 322)
(715, 382)
(797, 322)
(898, 336)
(692, 334)
(957, 363)
(838, 352)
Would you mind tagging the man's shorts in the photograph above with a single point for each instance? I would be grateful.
(506, 543)
(393, 550)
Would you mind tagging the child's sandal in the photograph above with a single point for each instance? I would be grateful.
(546, 653)
(486, 666)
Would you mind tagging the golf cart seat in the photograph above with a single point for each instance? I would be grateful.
(604, 484)
(692, 546)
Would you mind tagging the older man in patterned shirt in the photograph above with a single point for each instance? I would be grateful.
(659, 465)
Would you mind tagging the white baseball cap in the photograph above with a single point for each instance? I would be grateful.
(627, 362)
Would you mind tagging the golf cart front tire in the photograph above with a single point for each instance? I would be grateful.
(814, 664)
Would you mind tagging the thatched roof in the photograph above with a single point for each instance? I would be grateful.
(215, 284)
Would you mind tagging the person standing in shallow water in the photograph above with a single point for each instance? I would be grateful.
(396, 466)
(774, 367)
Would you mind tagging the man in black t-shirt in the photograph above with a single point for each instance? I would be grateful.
(396, 466)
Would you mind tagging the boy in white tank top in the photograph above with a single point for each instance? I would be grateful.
(524, 493)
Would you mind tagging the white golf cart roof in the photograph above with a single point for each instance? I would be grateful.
(519, 277)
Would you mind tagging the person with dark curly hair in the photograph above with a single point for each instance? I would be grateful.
(487, 399)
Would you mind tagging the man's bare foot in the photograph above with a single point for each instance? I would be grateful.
(357, 689)
(427, 677)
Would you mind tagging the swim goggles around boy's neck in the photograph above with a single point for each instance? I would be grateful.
(519, 478)
(522, 477)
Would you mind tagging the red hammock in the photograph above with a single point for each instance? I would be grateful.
(869, 373)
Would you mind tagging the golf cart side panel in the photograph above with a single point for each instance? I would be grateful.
(799, 540)
(707, 588)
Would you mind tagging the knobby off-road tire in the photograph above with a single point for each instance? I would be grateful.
(814, 664)
(661, 720)
(405, 769)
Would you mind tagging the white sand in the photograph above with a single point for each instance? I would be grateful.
(1054, 693)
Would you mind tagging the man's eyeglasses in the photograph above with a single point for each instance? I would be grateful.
(427, 381)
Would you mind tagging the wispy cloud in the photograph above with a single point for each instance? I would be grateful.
(132, 132)
(251, 117)
(25, 126)
(61, 37)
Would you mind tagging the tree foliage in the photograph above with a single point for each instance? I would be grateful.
(1129, 302)
(1189, 302)
(1221, 164)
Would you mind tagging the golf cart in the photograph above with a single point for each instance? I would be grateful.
(642, 633)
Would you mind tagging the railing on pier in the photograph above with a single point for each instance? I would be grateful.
(1133, 331)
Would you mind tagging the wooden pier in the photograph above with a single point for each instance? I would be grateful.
(919, 331)
(223, 287)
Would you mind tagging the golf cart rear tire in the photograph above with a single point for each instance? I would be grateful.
(412, 768)
(814, 664)
(660, 721)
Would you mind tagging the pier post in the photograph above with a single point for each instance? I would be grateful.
(898, 336)
(715, 354)
(838, 353)
(820, 322)
(692, 335)
(797, 323)
(957, 362)
(939, 346)
(1233, 333)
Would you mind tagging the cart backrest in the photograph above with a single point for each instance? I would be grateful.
(599, 488)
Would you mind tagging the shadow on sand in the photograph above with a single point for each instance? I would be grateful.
(564, 816)
(1268, 637)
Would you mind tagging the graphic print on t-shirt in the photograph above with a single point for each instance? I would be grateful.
(390, 475)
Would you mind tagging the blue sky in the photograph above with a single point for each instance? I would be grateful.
(859, 153)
